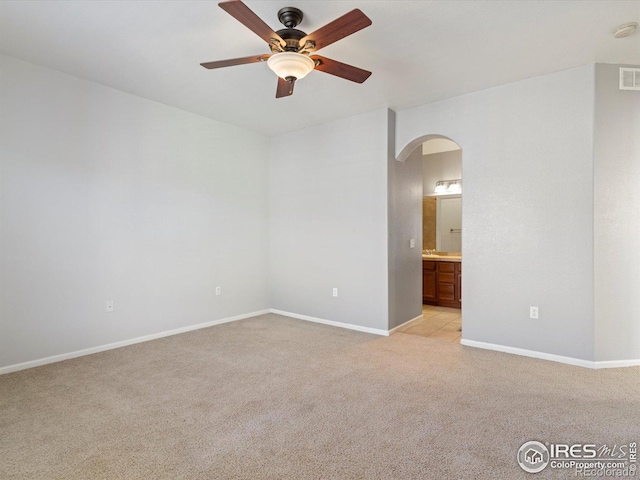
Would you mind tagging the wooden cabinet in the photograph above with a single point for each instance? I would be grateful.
(441, 283)
(429, 282)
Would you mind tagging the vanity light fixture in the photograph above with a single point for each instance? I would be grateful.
(440, 188)
(448, 187)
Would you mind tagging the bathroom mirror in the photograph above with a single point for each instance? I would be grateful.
(442, 223)
(442, 203)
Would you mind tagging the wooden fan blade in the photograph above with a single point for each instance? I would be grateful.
(235, 61)
(339, 69)
(245, 16)
(285, 88)
(341, 27)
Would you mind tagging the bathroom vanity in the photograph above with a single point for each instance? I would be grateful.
(442, 280)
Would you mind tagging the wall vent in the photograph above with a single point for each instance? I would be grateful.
(630, 79)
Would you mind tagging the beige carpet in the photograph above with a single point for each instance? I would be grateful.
(277, 398)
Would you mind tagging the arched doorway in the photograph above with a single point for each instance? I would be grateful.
(426, 279)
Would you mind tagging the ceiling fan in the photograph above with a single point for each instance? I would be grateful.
(291, 49)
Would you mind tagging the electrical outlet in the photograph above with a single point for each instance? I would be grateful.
(533, 312)
(335, 292)
(218, 290)
(110, 306)
(412, 243)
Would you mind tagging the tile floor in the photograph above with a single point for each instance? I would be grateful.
(438, 323)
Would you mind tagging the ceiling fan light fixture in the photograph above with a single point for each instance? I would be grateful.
(290, 64)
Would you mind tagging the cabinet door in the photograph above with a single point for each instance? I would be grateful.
(429, 284)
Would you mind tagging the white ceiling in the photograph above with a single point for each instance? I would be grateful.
(418, 51)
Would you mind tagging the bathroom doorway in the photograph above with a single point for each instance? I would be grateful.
(441, 242)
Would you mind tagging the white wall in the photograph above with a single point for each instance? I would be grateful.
(440, 166)
(405, 223)
(328, 221)
(617, 218)
(107, 196)
(527, 208)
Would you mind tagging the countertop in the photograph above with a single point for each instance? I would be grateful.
(443, 258)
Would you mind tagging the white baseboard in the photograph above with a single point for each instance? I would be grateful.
(350, 326)
(617, 363)
(110, 346)
(405, 324)
(549, 356)
(470, 343)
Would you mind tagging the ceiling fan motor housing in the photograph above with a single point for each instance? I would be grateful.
(290, 17)
(292, 38)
